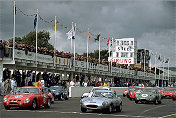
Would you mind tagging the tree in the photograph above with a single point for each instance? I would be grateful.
(103, 54)
(43, 38)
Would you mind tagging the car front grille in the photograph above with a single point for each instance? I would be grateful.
(92, 106)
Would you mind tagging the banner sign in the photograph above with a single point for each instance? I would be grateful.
(121, 60)
(123, 51)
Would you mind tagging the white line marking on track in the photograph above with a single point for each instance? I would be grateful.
(168, 115)
(151, 109)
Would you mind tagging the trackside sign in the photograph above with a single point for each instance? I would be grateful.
(123, 51)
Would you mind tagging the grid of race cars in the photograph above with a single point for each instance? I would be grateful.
(103, 99)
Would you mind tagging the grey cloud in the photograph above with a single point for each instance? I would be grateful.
(151, 23)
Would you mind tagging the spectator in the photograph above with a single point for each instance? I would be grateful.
(85, 84)
(30, 83)
(72, 83)
(7, 86)
(13, 84)
(98, 84)
(39, 84)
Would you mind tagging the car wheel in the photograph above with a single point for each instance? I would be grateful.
(83, 109)
(155, 101)
(61, 97)
(123, 95)
(159, 102)
(119, 108)
(109, 110)
(7, 108)
(34, 104)
(52, 100)
(48, 103)
(136, 101)
(130, 98)
(173, 99)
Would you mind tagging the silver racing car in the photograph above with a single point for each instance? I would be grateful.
(105, 100)
(148, 95)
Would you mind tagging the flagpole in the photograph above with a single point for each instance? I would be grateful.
(74, 42)
(110, 51)
(87, 49)
(71, 40)
(36, 48)
(168, 72)
(55, 43)
(99, 49)
(109, 57)
(163, 69)
(14, 11)
(155, 68)
(144, 62)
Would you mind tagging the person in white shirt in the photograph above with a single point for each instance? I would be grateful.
(72, 83)
(13, 84)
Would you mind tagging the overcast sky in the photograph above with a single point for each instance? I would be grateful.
(151, 23)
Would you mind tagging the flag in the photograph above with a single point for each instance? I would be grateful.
(167, 61)
(88, 36)
(159, 58)
(55, 25)
(35, 21)
(111, 43)
(97, 37)
(108, 41)
(69, 34)
(73, 32)
(15, 9)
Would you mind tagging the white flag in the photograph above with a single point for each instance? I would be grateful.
(73, 32)
(69, 34)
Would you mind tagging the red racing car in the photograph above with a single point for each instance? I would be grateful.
(174, 96)
(168, 92)
(28, 96)
(133, 93)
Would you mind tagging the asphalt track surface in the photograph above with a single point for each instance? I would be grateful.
(71, 109)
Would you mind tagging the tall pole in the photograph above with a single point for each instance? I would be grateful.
(163, 68)
(55, 42)
(36, 48)
(111, 54)
(155, 68)
(168, 72)
(109, 57)
(14, 11)
(71, 40)
(74, 43)
(144, 62)
(99, 50)
(87, 49)
(36, 39)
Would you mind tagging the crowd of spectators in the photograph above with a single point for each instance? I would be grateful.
(5, 45)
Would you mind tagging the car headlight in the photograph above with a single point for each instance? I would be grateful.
(104, 103)
(5, 99)
(27, 100)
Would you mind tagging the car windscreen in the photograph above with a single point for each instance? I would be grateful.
(56, 88)
(101, 94)
(95, 89)
(169, 89)
(149, 90)
(28, 90)
(138, 89)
